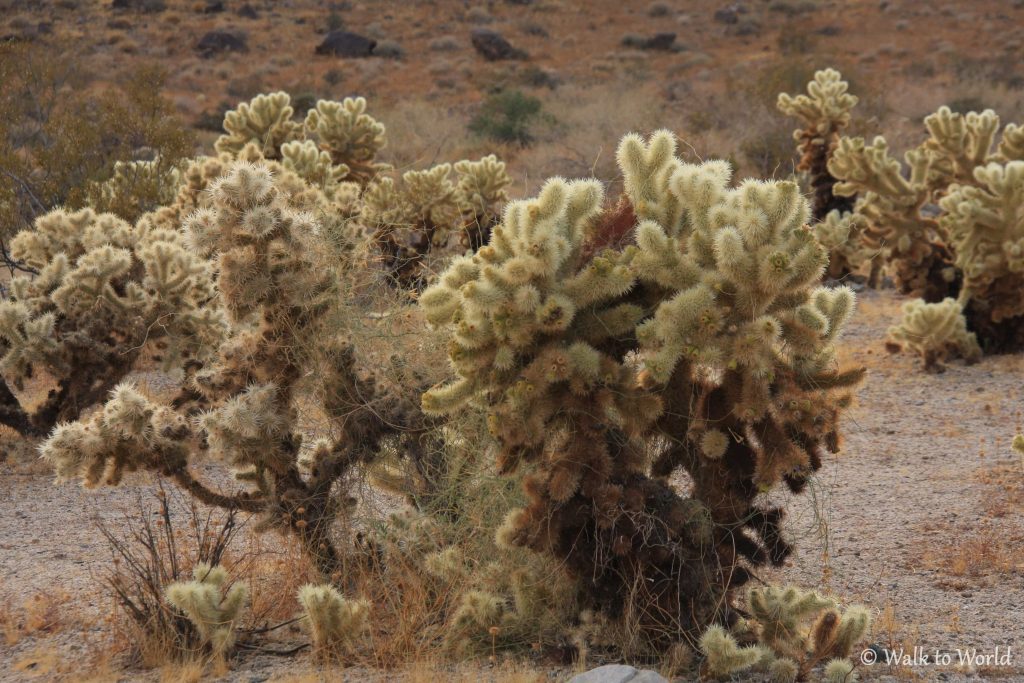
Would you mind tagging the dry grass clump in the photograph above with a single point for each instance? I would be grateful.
(44, 613)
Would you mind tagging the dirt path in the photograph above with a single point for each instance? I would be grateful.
(921, 518)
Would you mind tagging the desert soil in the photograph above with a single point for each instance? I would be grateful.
(921, 517)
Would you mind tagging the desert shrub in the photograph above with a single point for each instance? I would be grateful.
(508, 116)
(611, 348)
(770, 155)
(60, 142)
(794, 43)
(335, 22)
(151, 551)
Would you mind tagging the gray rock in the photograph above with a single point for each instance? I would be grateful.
(493, 46)
(140, 5)
(659, 41)
(618, 673)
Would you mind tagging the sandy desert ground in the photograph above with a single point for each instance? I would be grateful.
(921, 518)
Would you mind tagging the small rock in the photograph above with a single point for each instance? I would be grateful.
(493, 46)
(213, 7)
(659, 41)
(151, 6)
(217, 42)
(346, 44)
(247, 11)
(829, 31)
(618, 673)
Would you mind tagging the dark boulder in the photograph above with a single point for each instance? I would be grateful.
(149, 6)
(346, 44)
(219, 42)
(493, 46)
(660, 41)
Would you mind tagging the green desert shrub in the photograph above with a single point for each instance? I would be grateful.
(508, 116)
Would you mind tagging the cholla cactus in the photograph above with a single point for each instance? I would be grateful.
(266, 121)
(706, 331)
(935, 332)
(350, 135)
(343, 131)
(212, 607)
(136, 187)
(794, 632)
(1011, 146)
(241, 406)
(421, 211)
(335, 623)
(891, 202)
(824, 112)
(949, 168)
(105, 290)
(985, 223)
(842, 235)
(480, 193)
(334, 152)
(724, 656)
(957, 144)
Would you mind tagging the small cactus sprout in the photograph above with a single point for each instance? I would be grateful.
(335, 623)
(794, 632)
(212, 607)
(724, 657)
(936, 332)
(840, 671)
